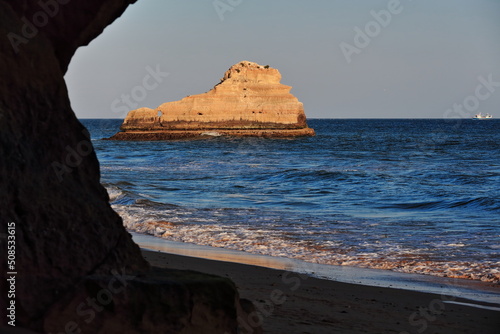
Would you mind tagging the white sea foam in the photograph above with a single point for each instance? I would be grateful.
(350, 200)
(455, 245)
(274, 243)
(211, 133)
(114, 193)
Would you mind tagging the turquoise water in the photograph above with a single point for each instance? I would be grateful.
(417, 196)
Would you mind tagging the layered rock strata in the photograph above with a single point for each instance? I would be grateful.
(69, 246)
(248, 101)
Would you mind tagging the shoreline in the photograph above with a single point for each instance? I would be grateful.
(476, 292)
(288, 302)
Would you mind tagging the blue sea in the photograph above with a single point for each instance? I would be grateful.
(416, 196)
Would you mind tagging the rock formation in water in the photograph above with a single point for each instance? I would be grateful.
(70, 246)
(248, 101)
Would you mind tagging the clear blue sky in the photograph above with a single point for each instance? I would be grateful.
(418, 63)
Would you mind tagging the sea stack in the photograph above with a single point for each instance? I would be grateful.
(248, 101)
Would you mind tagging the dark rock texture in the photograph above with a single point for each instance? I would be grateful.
(66, 233)
(163, 301)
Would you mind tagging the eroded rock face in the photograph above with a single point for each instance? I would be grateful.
(164, 301)
(49, 174)
(249, 101)
(142, 118)
(64, 227)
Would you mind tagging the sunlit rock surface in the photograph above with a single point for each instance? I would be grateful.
(248, 101)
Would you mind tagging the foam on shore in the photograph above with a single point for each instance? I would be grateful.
(479, 293)
(236, 229)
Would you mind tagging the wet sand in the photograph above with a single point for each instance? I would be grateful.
(291, 303)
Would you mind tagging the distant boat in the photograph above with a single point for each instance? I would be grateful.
(481, 116)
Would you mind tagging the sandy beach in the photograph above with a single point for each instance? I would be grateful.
(292, 303)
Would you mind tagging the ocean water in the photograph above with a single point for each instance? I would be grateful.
(416, 196)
